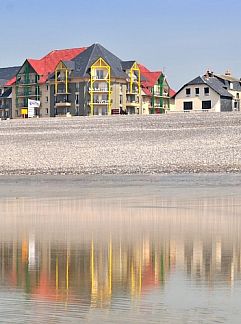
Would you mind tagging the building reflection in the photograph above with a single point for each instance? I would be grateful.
(99, 271)
(95, 251)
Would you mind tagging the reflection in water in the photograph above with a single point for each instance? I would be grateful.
(110, 254)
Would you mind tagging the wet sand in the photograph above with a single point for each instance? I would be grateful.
(78, 203)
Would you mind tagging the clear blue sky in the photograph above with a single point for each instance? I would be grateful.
(183, 37)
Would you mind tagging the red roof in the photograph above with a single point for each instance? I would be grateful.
(172, 92)
(48, 63)
(147, 91)
(10, 82)
(151, 77)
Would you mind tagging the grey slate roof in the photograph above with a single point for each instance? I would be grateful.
(69, 64)
(8, 73)
(127, 65)
(217, 86)
(198, 80)
(213, 82)
(84, 60)
(226, 80)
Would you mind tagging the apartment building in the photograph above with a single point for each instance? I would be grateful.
(31, 82)
(95, 82)
(156, 92)
(85, 82)
(6, 92)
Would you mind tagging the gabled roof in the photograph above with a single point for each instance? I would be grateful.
(127, 65)
(48, 63)
(146, 91)
(196, 81)
(69, 64)
(150, 77)
(7, 73)
(217, 86)
(85, 60)
(172, 93)
(227, 77)
(212, 82)
(227, 80)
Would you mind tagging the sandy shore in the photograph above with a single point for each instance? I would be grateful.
(172, 143)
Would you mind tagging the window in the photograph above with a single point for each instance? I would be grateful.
(188, 91)
(76, 99)
(99, 74)
(207, 104)
(47, 111)
(231, 85)
(47, 99)
(237, 95)
(187, 105)
(206, 91)
(47, 87)
(197, 91)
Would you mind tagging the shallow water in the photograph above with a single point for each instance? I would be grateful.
(121, 250)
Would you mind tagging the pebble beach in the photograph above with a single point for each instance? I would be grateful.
(153, 144)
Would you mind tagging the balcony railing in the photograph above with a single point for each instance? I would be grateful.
(157, 93)
(134, 91)
(62, 91)
(4, 106)
(98, 90)
(29, 94)
(63, 104)
(132, 103)
(26, 82)
(100, 77)
(101, 102)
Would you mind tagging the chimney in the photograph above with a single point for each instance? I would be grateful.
(208, 74)
(228, 72)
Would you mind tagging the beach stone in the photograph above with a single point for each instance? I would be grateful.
(169, 143)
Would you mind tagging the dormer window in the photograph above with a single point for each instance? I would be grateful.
(188, 92)
(231, 86)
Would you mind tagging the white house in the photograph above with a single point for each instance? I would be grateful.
(209, 92)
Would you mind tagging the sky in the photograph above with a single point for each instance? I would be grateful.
(183, 38)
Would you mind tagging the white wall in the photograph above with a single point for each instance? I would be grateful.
(181, 97)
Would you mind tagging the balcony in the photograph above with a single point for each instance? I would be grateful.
(4, 107)
(164, 94)
(62, 92)
(134, 91)
(61, 79)
(62, 104)
(29, 94)
(100, 77)
(101, 102)
(98, 90)
(132, 103)
(26, 82)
